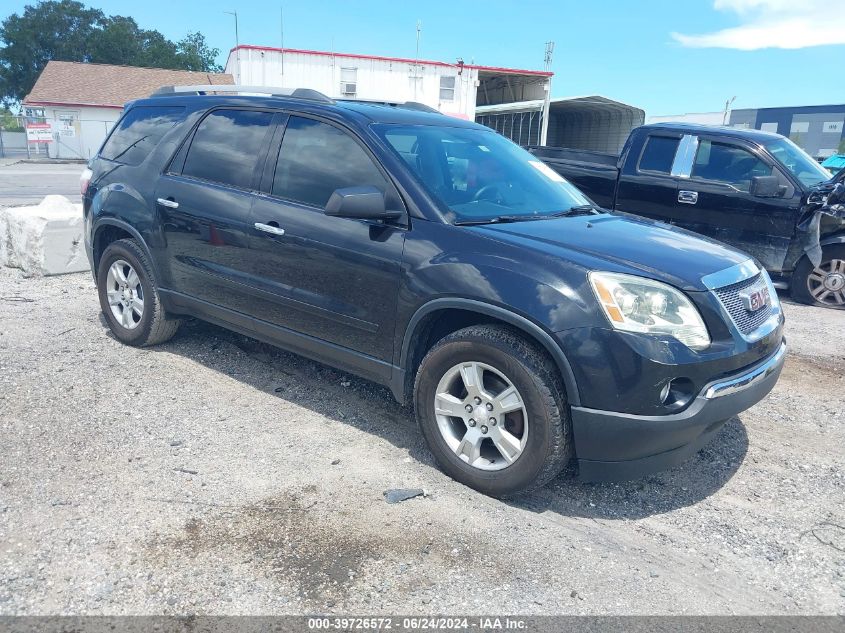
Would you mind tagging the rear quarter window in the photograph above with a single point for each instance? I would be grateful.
(659, 154)
(139, 132)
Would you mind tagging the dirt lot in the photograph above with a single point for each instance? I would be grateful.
(215, 474)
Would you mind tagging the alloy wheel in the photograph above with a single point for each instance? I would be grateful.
(125, 294)
(826, 282)
(481, 416)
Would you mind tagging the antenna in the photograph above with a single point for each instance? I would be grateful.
(237, 45)
(547, 60)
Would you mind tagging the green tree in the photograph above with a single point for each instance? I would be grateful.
(195, 54)
(61, 29)
(841, 149)
(9, 121)
(68, 31)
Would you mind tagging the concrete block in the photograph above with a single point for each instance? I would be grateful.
(45, 239)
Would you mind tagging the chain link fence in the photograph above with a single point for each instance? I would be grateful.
(56, 135)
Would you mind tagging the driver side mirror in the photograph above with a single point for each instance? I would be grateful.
(362, 203)
(765, 187)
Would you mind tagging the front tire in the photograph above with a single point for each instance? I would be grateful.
(492, 408)
(823, 285)
(129, 298)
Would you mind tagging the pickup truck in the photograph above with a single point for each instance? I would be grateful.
(753, 190)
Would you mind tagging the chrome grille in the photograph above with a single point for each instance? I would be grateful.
(745, 321)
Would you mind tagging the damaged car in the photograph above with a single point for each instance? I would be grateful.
(754, 190)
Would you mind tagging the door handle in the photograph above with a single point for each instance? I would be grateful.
(688, 197)
(170, 204)
(267, 228)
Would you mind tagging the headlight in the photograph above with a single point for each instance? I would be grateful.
(637, 304)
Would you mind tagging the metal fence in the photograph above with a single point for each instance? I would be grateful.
(55, 135)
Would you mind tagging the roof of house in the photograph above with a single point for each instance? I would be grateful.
(404, 60)
(105, 85)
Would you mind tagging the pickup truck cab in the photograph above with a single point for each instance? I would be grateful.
(436, 257)
(747, 188)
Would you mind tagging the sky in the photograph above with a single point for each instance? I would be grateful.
(667, 57)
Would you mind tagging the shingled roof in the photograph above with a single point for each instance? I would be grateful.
(104, 85)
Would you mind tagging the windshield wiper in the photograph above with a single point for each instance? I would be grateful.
(500, 219)
(577, 210)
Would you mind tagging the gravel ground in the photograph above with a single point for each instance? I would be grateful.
(215, 474)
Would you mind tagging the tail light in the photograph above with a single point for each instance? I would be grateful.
(84, 179)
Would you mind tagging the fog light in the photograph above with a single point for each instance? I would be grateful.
(677, 393)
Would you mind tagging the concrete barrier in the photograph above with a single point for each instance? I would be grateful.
(45, 239)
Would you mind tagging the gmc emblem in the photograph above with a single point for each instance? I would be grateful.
(755, 299)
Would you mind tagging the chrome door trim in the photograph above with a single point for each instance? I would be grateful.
(685, 156)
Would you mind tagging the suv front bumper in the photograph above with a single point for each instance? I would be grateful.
(613, 446)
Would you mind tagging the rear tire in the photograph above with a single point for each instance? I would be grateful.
(823, 285)
(516, 436)
(129, 298)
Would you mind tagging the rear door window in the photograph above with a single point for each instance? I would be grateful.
(316, 158)
(139, 132)
(227, 147)
(729, 164)
(659, 154)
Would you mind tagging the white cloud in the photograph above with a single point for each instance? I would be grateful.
(775, 24)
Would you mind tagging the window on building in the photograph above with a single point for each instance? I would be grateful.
(316, 159)
(227, 146)
(659, 154)
(729, 164)
(349, 82)
(447, 88)
(139, 132)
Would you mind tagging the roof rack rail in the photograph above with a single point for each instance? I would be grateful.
(295, 93)
(408, 105)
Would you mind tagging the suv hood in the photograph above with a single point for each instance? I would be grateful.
(623, 244)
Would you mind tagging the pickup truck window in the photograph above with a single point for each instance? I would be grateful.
(480, 175)
(730, 164)
(796, 160)
(316, 158)
(659, 154)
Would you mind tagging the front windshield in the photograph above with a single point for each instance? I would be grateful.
(478, 175)
(796, 160)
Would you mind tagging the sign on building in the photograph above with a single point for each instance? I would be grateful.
(832, 126)
(39, 133)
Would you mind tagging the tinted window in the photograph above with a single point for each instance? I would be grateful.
(227, 146)
(317, 158)
(139, 132)
(659, 154)
(729, 164)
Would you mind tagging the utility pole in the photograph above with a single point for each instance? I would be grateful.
(282, 36)
(417, 59)
(547, 101)
(237, 46)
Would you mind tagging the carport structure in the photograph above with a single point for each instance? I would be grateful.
(592, 123)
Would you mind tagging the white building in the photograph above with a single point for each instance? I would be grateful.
(81, 102)
(455, 89)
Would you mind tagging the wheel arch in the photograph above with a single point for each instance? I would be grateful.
(832, 240)
(108, 230)
(426, 326)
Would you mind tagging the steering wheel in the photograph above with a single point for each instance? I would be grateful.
(482, 194)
